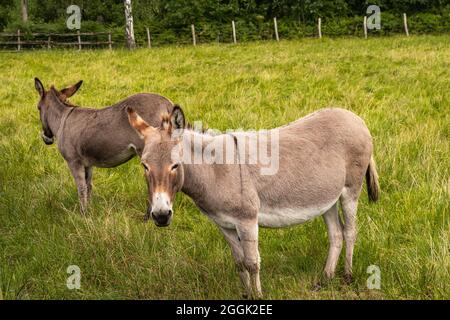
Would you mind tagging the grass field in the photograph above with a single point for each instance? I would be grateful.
(399, 85)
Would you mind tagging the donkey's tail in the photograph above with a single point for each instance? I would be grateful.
(373, 187)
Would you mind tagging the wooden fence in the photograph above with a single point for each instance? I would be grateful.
(49, 40)
(275, 29)
(20, 40)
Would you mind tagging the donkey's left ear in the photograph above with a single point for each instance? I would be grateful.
(39, 87)
(70, 91)
(177, 118)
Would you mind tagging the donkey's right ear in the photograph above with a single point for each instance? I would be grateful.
(39, 87)
(142, 128)
(70, 91)
(177, 118)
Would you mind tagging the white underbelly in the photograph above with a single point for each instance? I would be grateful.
(285, 217)
(224, 220)
(276, 217)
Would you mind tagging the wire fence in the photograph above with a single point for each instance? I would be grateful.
(235, 32)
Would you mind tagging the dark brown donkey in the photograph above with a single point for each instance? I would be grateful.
(94, 137)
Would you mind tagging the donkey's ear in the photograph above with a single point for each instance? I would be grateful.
(177, 118)
(70, 91)
(39, 87)
(139, 124)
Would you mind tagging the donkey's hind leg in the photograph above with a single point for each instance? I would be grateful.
(79, 174)
(334, 227)
(248, 235)
(349, 203)
(88, 178)
(238, 254)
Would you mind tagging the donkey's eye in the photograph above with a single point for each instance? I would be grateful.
(145, 167)
(174, 167)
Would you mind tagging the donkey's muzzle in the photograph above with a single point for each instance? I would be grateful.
(47, 140)
(162, 219)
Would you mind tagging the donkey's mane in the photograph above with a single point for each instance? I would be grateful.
(69, 104)
(191, 127)
(203, 129)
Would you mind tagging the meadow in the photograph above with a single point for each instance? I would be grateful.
(399, 85)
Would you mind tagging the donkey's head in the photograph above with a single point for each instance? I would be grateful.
(46, 103)
(161, 159)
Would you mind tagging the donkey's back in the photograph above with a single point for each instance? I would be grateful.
(321, 157)
(104, 137)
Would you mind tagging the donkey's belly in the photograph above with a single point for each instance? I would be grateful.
(285, 217)
(114, 159)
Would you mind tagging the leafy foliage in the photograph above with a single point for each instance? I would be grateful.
(169, 20)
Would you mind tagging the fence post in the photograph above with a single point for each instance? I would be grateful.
(149, 40)
(234, 31)
(365, 27)
(18, 40)
(319, 27)
(109, 40)
(79, 39)
(49, 39)
(194, 42)
(405, 24)
(276, 29)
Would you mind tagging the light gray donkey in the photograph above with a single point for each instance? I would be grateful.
(323, 159)
(94, 137)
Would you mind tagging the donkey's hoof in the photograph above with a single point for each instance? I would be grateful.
(348, 278)
(248, 296)
(317, 286)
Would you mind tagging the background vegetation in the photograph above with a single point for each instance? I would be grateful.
(169, 20)
(399, 85)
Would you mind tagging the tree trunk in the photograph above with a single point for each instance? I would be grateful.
(129, 29)
(24, 9)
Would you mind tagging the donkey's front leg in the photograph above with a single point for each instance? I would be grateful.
(79, 174)
(248, 235)
(238, 254)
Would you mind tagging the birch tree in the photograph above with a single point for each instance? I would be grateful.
(129, 29)
(24, 10)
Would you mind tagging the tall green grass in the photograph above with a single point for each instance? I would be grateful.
(399, 85)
